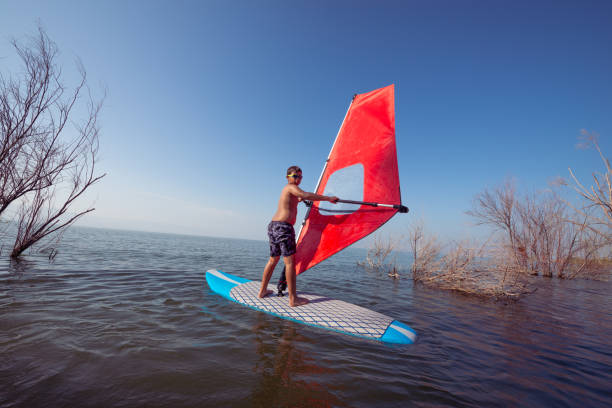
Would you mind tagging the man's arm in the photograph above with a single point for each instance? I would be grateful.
(304, 195)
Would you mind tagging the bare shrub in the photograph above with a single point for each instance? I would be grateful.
(498, 209)
(378, 258)
(507, 278)
(547, 242)
(540, 237)
(425, 250)
(45, 164)
(592, 260)
(596, 206)
(466, 267)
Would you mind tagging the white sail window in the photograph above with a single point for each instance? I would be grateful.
(347, 184)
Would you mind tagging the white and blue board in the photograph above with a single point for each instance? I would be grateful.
(320, 311)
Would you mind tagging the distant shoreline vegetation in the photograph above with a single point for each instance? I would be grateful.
(538, 234)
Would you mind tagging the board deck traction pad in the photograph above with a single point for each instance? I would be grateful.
(320, 311)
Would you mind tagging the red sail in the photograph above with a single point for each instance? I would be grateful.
(365, 146)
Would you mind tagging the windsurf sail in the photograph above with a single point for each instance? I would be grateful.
(362, 170)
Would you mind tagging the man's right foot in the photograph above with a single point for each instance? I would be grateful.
(264, 293)
(297, 301)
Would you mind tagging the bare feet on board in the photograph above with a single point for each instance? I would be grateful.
(264, 293)
(297, 301)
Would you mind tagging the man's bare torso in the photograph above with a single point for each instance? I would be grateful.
(287, 205)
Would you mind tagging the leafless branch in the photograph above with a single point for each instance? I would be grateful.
(597, 204)
(378, 256)
(39, 154)
(466, 267)
(540, 236)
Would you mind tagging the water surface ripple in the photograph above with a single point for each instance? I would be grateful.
(125, 319)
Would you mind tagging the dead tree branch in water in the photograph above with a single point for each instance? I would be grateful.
(465, 268)
(377, 258)
(45, 165)
(425, 251)
(598, 198)
(539, 235)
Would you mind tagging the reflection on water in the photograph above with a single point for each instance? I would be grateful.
(286, 374)
(125, 319)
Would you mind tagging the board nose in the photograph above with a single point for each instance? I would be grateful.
(399, 333)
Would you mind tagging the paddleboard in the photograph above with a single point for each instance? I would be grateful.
(320, 311)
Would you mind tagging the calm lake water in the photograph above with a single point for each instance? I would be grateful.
(125, 319)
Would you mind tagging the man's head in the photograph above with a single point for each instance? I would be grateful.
(294, 175)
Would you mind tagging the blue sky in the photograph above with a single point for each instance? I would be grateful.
(208, 102)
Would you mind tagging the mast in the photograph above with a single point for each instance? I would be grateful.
(324, 168)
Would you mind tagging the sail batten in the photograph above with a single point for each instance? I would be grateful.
(362, 161)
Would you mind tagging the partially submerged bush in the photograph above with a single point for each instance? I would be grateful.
(379, 257)
(539, 234)
(465, 267)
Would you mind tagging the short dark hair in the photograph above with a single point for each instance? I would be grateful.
(293, 169)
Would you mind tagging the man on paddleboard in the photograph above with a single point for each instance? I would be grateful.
(282, 234)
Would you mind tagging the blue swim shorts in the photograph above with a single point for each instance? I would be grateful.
(282, 238)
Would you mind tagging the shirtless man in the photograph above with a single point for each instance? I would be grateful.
(282, 235)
